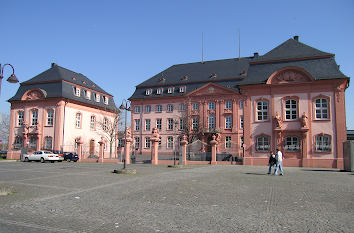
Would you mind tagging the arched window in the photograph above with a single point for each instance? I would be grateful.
(33, 142)
(18, 142)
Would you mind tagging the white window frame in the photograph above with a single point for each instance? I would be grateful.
(147, 124)
(323, 143)
(148, 108)
(228, 122)
(92, 122)
(20, 118)
(159, 108)
(78, 118)
(263, 144)
(170, 108)
(77, 91)
(50, 117)
(97, 97)
(34, 118)
(169, 124)
(262, 110)
(137, 142)
(195, 123)
(137, 109)
(290, 110)
(47, 145)
(241, 122)
(195, 106)
(227, 142)
(211, 121)
(169, 142)
(159, 91)
(147, 142)
(170, 90)
(148, 91)
(211, 105)
(228, 105)
(137, 124)
(292, 145)
(159, 124)
(182, 89)
(322, 108)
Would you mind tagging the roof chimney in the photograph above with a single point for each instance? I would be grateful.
(296, 38)
(54, 64)
(255, 55)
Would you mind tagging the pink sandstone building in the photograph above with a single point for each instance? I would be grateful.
(291, 98)
(61, 110)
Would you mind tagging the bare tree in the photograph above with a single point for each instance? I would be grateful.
(108, 129)
(193, 132)
(4, 129)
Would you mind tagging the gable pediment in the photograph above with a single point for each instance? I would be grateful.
(289, 75)
(212, 89)
(34, 94)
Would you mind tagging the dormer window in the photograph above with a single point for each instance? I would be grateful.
(105, 100)
(184, 78)
(162, 80)
(213, 75)
(170, 90)
(159, 91)
(182, 89)
(148, 91)
(77, 91)
(97, 97)
(88, 95)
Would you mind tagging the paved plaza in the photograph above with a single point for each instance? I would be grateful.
(83, 197)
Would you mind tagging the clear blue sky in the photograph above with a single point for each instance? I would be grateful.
(119, 44)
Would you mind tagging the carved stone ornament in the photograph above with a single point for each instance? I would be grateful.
(290, 76)
(278, 121)
(304, 120)
(33, 95)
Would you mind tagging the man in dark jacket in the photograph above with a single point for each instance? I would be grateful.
(272, 161)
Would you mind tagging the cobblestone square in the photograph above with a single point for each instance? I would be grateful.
(83, 197)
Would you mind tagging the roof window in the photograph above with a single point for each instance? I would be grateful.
(159, 91)
(184, 78)
(148, 91)
(170, 90)
(213, 75)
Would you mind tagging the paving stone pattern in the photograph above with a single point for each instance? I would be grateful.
(79, 197)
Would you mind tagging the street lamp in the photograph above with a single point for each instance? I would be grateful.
(11, 79)
(125, 106)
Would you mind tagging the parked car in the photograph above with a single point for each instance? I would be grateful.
(3, 154)
(70, 156)
(42, 156)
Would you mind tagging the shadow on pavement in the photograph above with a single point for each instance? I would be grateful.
(253, 173)
(322, 170)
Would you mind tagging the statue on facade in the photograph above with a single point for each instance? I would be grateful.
(304, 120)
(278, 121)
(128, 132)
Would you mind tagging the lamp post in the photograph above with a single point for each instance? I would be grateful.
(125, 106)
(11, 79)
(175, 140)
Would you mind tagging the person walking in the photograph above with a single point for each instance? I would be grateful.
(272, 161)
(278, 166)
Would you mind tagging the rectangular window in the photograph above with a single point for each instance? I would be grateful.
(137, 124)
(262, 144)
(241, 122)
(169, 142)
(97, 97)
(159, 123)
(241, 141)
(20, 118)
(148, 92)
(93, 123)
(170, 108)
(211, 121)
(241, 104)
(169, 124)
(147, 108)
(50, 117)
(182, 89)
(321, 107)
(147, 124)
(33, 142)
(195, 106)
(48, 143)
(77, 91)
(105, 100)
(292, 144)
(262, 110)
(228, 142)
(170, 90)
(78, 120)
(88, 95)
(323, 143)
(147, 142)
(159, 91)
(137, 109)
(228, 122)
(195, 123)
(211, 106)
(182, 107)
(158, 108)
(181, 124)
(34, 117)
(105, 124)
(290, 109)
(137, 142)
(228, 104)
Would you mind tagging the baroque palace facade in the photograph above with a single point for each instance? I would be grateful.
(291, 98)
(60, 110)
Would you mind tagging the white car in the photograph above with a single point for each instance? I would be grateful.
(42, 156)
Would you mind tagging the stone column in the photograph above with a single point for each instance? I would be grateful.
(11, 140)
(101, 150)
(205, 115)
(184, 143)
(128, 141)
(217, 114)
(155, 146)
(213, 150)
(234, 115)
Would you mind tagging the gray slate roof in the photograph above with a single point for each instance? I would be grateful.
(52, 83)
(233, 73)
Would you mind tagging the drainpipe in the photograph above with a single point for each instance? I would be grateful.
(62, 143)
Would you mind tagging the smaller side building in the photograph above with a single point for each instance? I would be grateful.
(61, 110)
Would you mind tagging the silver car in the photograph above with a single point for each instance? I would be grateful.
(42, 156)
